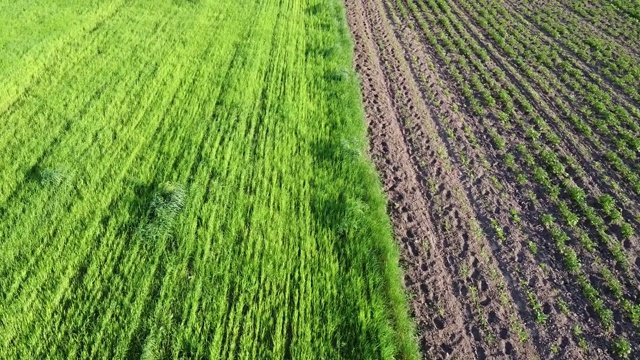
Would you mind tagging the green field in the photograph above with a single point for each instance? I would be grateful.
(187, 179)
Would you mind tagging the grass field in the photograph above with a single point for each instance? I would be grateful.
(187, 179)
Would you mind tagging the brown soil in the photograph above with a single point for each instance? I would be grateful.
(449, 200)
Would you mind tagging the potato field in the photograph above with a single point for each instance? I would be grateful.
(320, 179)
(507, 134)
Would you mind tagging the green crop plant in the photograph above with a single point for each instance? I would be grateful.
(499, 230)
(564, 307)
(607, 203)
(514, 215)
(621, 348)
(587, 243)
(498, 141)
(533, 247)
(577, 330)
(538, 312)
(547, 220)
(593, 296)
(569, 217)
(612, 283)
(632, 311)
(627, 230)
(571, 260)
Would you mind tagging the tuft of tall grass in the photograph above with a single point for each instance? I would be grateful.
(165, 206)
(51, 177)
(168, 200)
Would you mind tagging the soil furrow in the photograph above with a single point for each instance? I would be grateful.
(426, 274)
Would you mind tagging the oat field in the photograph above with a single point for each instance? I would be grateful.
(188, 180)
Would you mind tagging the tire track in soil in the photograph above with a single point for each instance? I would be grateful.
(450, 324)
(407, 205)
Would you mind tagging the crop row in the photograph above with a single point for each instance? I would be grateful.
(601, 15)
(595, 101)
(622, 69)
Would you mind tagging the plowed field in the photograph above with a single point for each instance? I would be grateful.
(507, 136)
